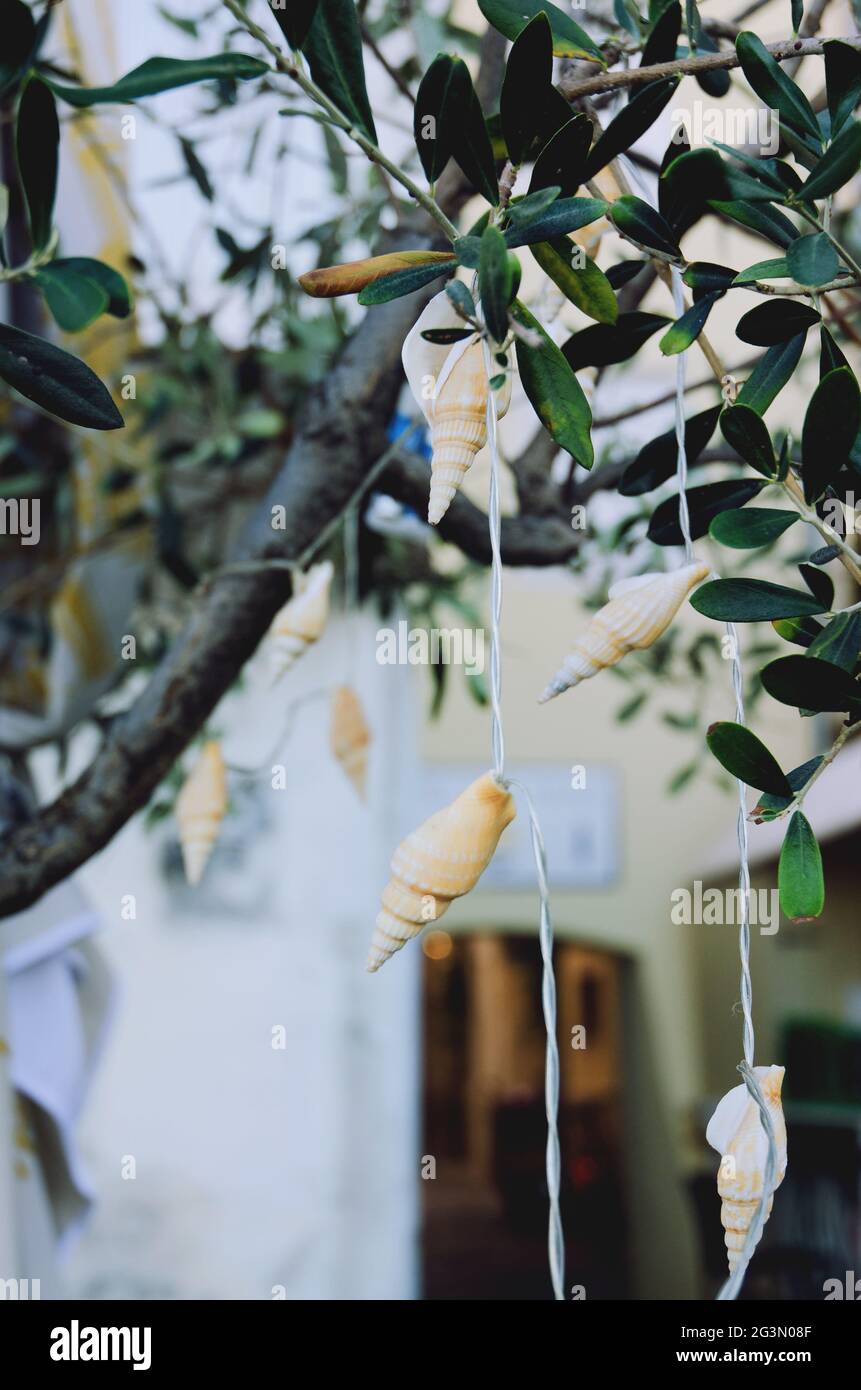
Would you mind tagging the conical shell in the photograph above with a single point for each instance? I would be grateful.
(640, 609)
(349, 736)
(200, 809)
(450, 386)
(735, 1130)
(441, 860)
(302, 619)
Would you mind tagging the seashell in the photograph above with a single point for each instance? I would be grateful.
(450, 385)
(735, 1130)
(441, 860)
(302, 619)
(640, 609)
(200, 809)
(349, 736)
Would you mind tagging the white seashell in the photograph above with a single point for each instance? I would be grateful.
(441, 860)
(302, 619)
(349, 736)
(450, 384)
(639, 610)
(735, 1130)
(200, 809)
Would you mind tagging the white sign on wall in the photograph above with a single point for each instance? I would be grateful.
(581, 827)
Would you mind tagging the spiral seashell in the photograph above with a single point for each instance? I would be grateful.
(450, 385)
(735, 1130)
(200, 809)
(301, 621)
(349, 736)
(640, 609)
(441, 860)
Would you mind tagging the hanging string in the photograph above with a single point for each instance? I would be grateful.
(555, 1236)
(731, 1288)
(351, 582)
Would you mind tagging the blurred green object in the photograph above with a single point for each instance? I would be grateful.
(823, 1062)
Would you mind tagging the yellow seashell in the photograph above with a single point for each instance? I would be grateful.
(640, 609)
(200, 809)
(735, 1130)
(349, 736)
(301, 621)
(441, 860)
(450, 385)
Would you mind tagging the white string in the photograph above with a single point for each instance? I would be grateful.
(555, 1236)
(732, 1286)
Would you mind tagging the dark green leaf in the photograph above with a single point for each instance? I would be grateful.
(843, 81)
(797, 15)
(55, 380)
(586, 286)
(19, 37)
(771, 374)
(839, 642)
(830, 355)
(631, 123)
(830, 426)
(704, 503)
(562, 216)
(569, 40)
(74, 300)
(656, 461)
(820, 584)
(660, 47)
(38, 138)
(705, 278)
(468, 251)
(402, 282)
(775, 269)
(808, 682)
(775, 88)
(768, 807)
(776, 321)
(444, 336)
(799, 872)
(197, 170)
(562, 161)
(837, 166)
(743, 755)
(800, 631)
(524, 210)
(644, 226)
(528, 71)
(435, 117)
(163, 75)
(604, 344)
(494, 278)
(294, 19)
(812, 260)
(748, 529)
(716, 83)
(752, 601)
(624, 272)
(116, 288)
(470, 142)
(554, 391)
(767, 222)
(461, 298)
(333, 49)
(744, 429)
(691, 324)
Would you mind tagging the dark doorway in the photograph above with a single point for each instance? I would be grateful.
(485, 1208)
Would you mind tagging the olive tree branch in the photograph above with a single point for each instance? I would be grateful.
(290, 67)
(573, 89)
(847, 732)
